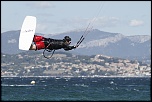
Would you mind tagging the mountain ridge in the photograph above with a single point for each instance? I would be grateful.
(96, 42)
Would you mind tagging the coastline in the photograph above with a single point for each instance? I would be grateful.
(85, 76)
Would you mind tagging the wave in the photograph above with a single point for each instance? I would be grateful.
(15, 85)
(83, 85)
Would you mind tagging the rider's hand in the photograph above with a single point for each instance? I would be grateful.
(74, 46)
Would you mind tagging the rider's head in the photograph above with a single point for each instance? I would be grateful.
(67, 39)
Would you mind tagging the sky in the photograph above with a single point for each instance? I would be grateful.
(53, 17)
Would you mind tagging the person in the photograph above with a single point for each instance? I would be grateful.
(41, 42)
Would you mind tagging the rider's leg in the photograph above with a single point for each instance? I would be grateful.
(38, 43)
(33, 47)
(37, 46)
(38, 38)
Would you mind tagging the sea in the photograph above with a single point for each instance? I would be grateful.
(75, 88)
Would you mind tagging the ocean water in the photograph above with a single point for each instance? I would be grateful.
(75, 89)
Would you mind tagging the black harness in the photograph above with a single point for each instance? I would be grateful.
(46, 49)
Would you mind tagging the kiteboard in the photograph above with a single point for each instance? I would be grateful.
(27, 32)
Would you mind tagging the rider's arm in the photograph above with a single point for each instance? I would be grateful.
(69, 48)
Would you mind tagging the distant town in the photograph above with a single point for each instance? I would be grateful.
(67, 64)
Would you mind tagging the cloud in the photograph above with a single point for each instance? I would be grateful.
(74, 22)
(97, 22)
(136, 22)
(12, 41)
(79, 23)
(105, 22)
(41, 27)
(41, 4)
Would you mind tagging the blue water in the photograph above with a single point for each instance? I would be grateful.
(75, 89)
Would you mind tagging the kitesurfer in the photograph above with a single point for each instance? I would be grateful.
(41, 42)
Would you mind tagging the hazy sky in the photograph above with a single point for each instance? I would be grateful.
(125, 17)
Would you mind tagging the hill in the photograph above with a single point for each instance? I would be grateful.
(97, 42)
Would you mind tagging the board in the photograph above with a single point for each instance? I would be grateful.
(27, 32)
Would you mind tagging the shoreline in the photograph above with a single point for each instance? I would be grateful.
(86, 76)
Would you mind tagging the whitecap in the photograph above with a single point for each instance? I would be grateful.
(94, 81)
(83, 85)
(111, 82)
(15, 85)
(136, 89)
